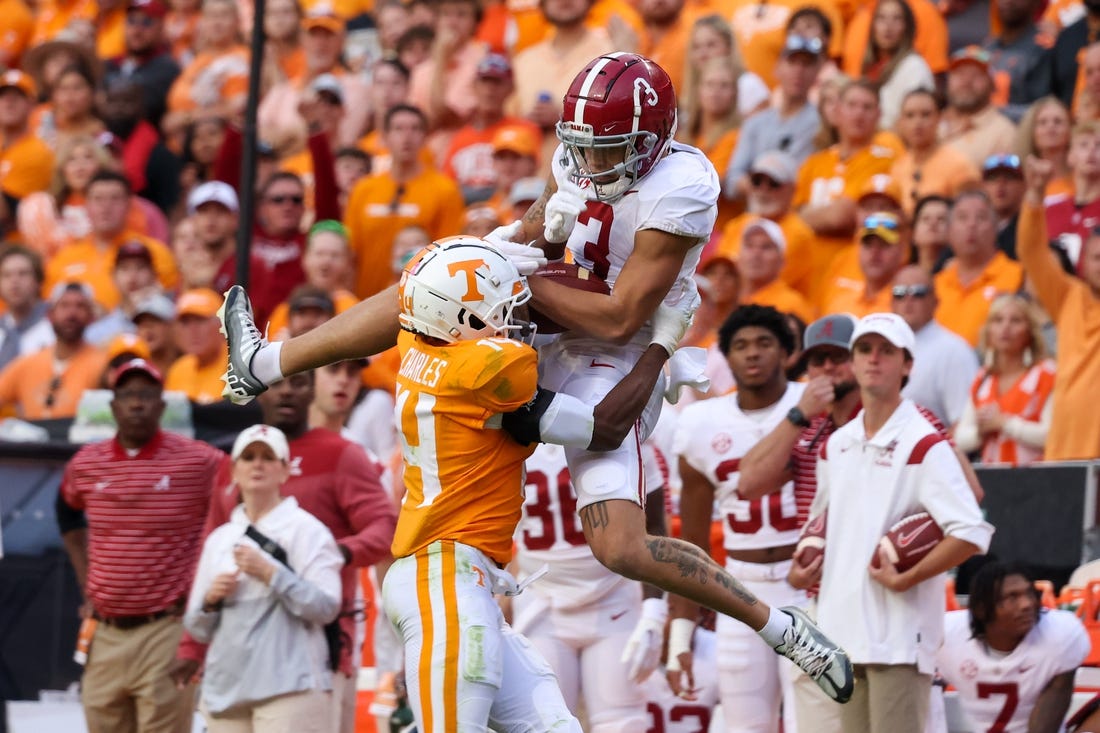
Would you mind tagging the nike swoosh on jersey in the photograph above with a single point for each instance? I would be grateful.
(601, 364)
(617, 616)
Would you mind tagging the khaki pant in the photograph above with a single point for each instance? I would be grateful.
(345, 693)
(299, 712)
(811, 704)
(888, 698)
(126, 687)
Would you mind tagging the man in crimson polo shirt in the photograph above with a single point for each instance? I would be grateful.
(131, 513)
(334, 480)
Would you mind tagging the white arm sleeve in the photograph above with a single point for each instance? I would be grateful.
(567, 421)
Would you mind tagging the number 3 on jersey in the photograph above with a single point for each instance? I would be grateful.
(782, 515)
(596, 222)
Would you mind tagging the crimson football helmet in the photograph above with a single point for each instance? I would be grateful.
(620, 102)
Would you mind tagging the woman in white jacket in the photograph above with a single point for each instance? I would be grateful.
(891, 61)
(267, 583)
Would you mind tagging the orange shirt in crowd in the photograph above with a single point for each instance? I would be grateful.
(212, 77)
(849, 295)
(1025, 398)
(15, 36)
(52, 16)
(378, 209)
(280, 317)
(293, 65)
(469, 158)
(346, 9)
(798, 269)
(469, 493)
(380, 160)
(458, 82)
(180, 28)
(964, 308)
(944, 173)
(41, 389)
(381, 370)
(670, 50)
(1059, 188)
(111, 35)
(783, 298)
(930, 41)
(516, 25)
(761, 29)
(1075, 309)
(87, 262)
(202, 384)
(824, 179)
(719, 154)
(46, 230)
(26, 166)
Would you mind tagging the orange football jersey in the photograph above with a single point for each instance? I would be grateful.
(463, 474)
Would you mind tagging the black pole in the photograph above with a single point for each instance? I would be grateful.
(248, 159)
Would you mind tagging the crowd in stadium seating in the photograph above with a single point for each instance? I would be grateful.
(937, 160)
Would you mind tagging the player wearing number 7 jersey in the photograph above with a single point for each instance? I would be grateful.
(759, 535)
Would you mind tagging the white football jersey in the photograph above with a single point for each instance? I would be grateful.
(678, 196)
(671, 714)
(999, 693)
(712, 436)
(549, 533)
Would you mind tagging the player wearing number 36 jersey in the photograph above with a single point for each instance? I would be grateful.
(1012, 662)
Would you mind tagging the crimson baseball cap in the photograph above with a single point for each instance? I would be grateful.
(135, 366)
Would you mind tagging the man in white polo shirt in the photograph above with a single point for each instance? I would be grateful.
(887, 463)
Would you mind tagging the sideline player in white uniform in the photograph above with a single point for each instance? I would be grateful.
(1012, 662)
(580, 615)
(636, 209)
(759, 535)
(671, 713)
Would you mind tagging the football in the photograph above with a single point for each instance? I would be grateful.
(811, 542)
(909, 540)
(571, 276)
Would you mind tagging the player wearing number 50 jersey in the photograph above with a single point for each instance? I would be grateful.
(1012, 662)
(759, 535)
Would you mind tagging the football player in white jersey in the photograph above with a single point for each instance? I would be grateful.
(1012, 662)
(580, 615)
(635, 208)
(759, 535)
(671, 713)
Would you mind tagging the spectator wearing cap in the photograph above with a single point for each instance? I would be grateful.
(788, 127)
(91, 258)
(308, 307)
(930, 40)
(760, 260)
(524, 192)
(410, 192)
(26, 161)
(215, 82)
(267, 582)
(147, 59)
(350, 165)
(134, 279)
(978, 272)
(469, 157)
(927, 167)
(1071, 220)
(24, 327)
(771, 189)
(1003, 182)
(326, 262)
(198, 372)
(123, 348)
(443, 85)
(213, 208)
(281, 116)
(831, 181)
(1020, 57)
(972, 124)
(515, 159)
(322, 106)
(152, 169)
(479, 220)
(944, 364)
(890, 60)
(155, 324)
(133, 507)
(48, 383)
(883, 246)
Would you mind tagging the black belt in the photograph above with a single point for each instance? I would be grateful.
(125, 623)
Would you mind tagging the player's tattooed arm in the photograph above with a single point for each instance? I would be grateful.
(1051, 706)
(595, 516)
(534, 220)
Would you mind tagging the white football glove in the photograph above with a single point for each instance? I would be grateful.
(642, 652)
(562, 211)
(671, 322)
(678, 667)
(686, 368)
(527, 259)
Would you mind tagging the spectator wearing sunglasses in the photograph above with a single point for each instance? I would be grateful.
(771, 188)
(1071, 220)
(972, 124)
(978, 272)
(883, 242)
(947, 362)
(148, 60)
(1003, 182)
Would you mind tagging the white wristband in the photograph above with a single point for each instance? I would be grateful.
(680, 632)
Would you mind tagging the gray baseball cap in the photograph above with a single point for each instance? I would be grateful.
(158, 305)
(832, 330)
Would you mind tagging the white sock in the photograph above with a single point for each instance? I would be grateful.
(778, 622)
(265, 363)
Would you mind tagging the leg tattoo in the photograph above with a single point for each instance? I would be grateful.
(693, 563)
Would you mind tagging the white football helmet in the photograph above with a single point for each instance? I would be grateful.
(460, 288)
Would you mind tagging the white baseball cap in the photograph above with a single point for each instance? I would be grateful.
(269, 436)
(770, 229)
(218, 192)
(890, 326)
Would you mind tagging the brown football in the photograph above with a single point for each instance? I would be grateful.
(811, 542)
(909, 540)
(571, 276)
